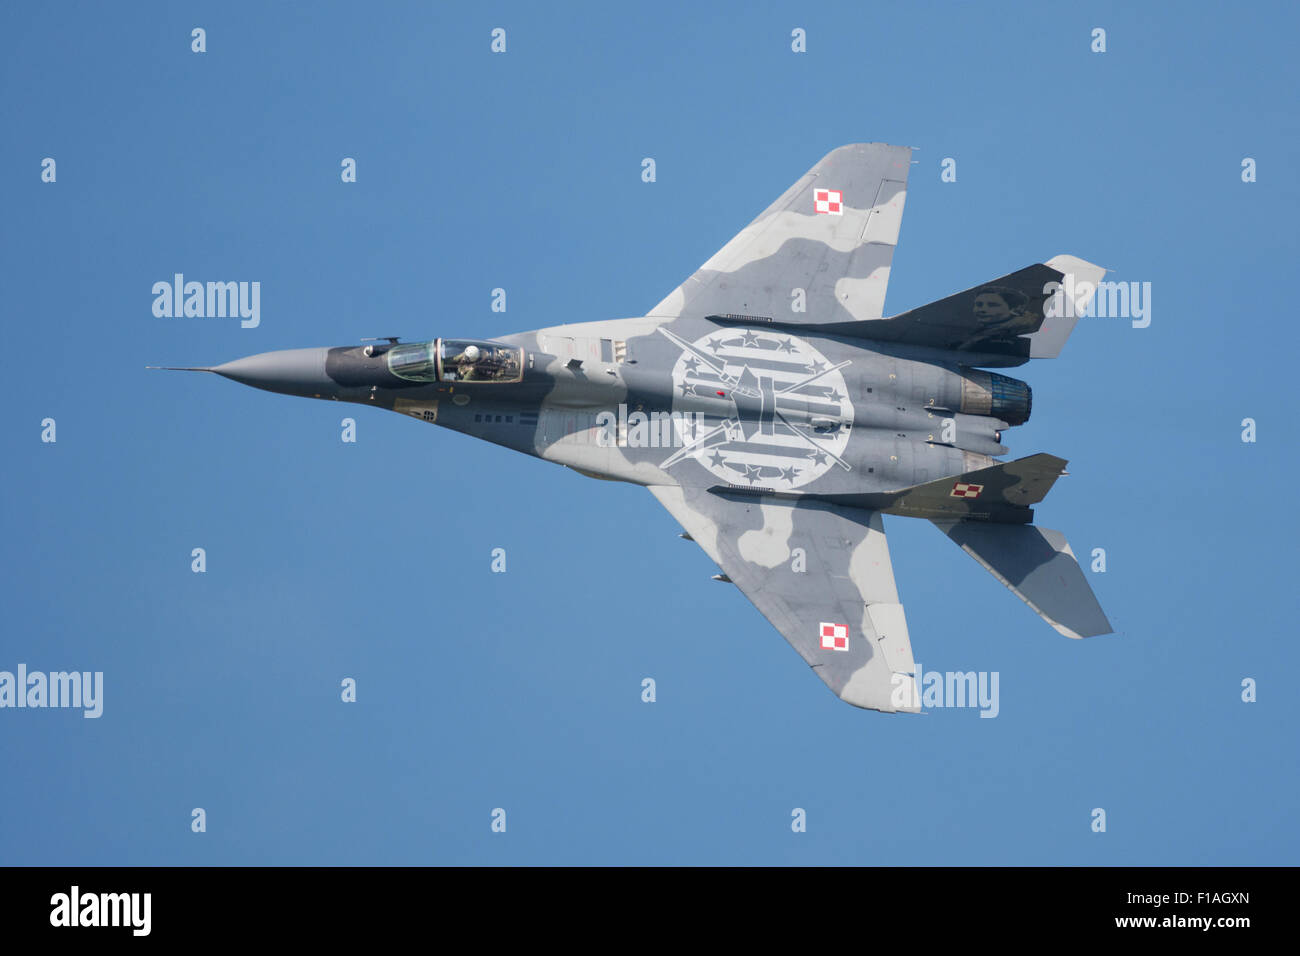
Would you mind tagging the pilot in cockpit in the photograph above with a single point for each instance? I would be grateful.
(466, 361)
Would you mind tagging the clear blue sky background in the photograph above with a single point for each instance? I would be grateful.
(522, 690)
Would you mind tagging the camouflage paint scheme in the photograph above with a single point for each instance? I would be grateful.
(797, 429)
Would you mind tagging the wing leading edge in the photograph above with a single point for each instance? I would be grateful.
(831, 236)
(821, 574)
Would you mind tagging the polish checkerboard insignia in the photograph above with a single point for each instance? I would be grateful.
(828, 201)
(775, 382)
(835, 637)
(962, 489)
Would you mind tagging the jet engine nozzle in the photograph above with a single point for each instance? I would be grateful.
(998, 396)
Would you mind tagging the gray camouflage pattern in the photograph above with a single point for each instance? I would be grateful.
(778, 438)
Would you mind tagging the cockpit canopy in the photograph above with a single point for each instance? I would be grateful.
(456, 360)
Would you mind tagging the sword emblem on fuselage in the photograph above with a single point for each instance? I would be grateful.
(792, 413)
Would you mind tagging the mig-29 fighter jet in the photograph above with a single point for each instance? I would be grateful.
(771, 409)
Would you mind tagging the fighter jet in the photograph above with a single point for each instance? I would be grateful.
(768, 405)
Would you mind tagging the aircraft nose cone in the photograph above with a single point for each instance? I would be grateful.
(291, 371)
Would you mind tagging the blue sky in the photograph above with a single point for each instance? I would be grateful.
(521, 690)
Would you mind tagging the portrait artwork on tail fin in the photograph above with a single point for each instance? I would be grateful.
(1007, 321)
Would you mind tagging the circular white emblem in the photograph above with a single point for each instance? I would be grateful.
(791, 413)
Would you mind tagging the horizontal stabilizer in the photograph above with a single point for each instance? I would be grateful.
(1040, 569)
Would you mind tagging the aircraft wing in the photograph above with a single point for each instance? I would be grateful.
(832, 235)
(821, 574)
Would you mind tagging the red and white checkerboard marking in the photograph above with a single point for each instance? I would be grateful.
(963, 489)
(828, 201)
(835, 637)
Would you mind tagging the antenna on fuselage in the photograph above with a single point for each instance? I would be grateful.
(372, 350)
